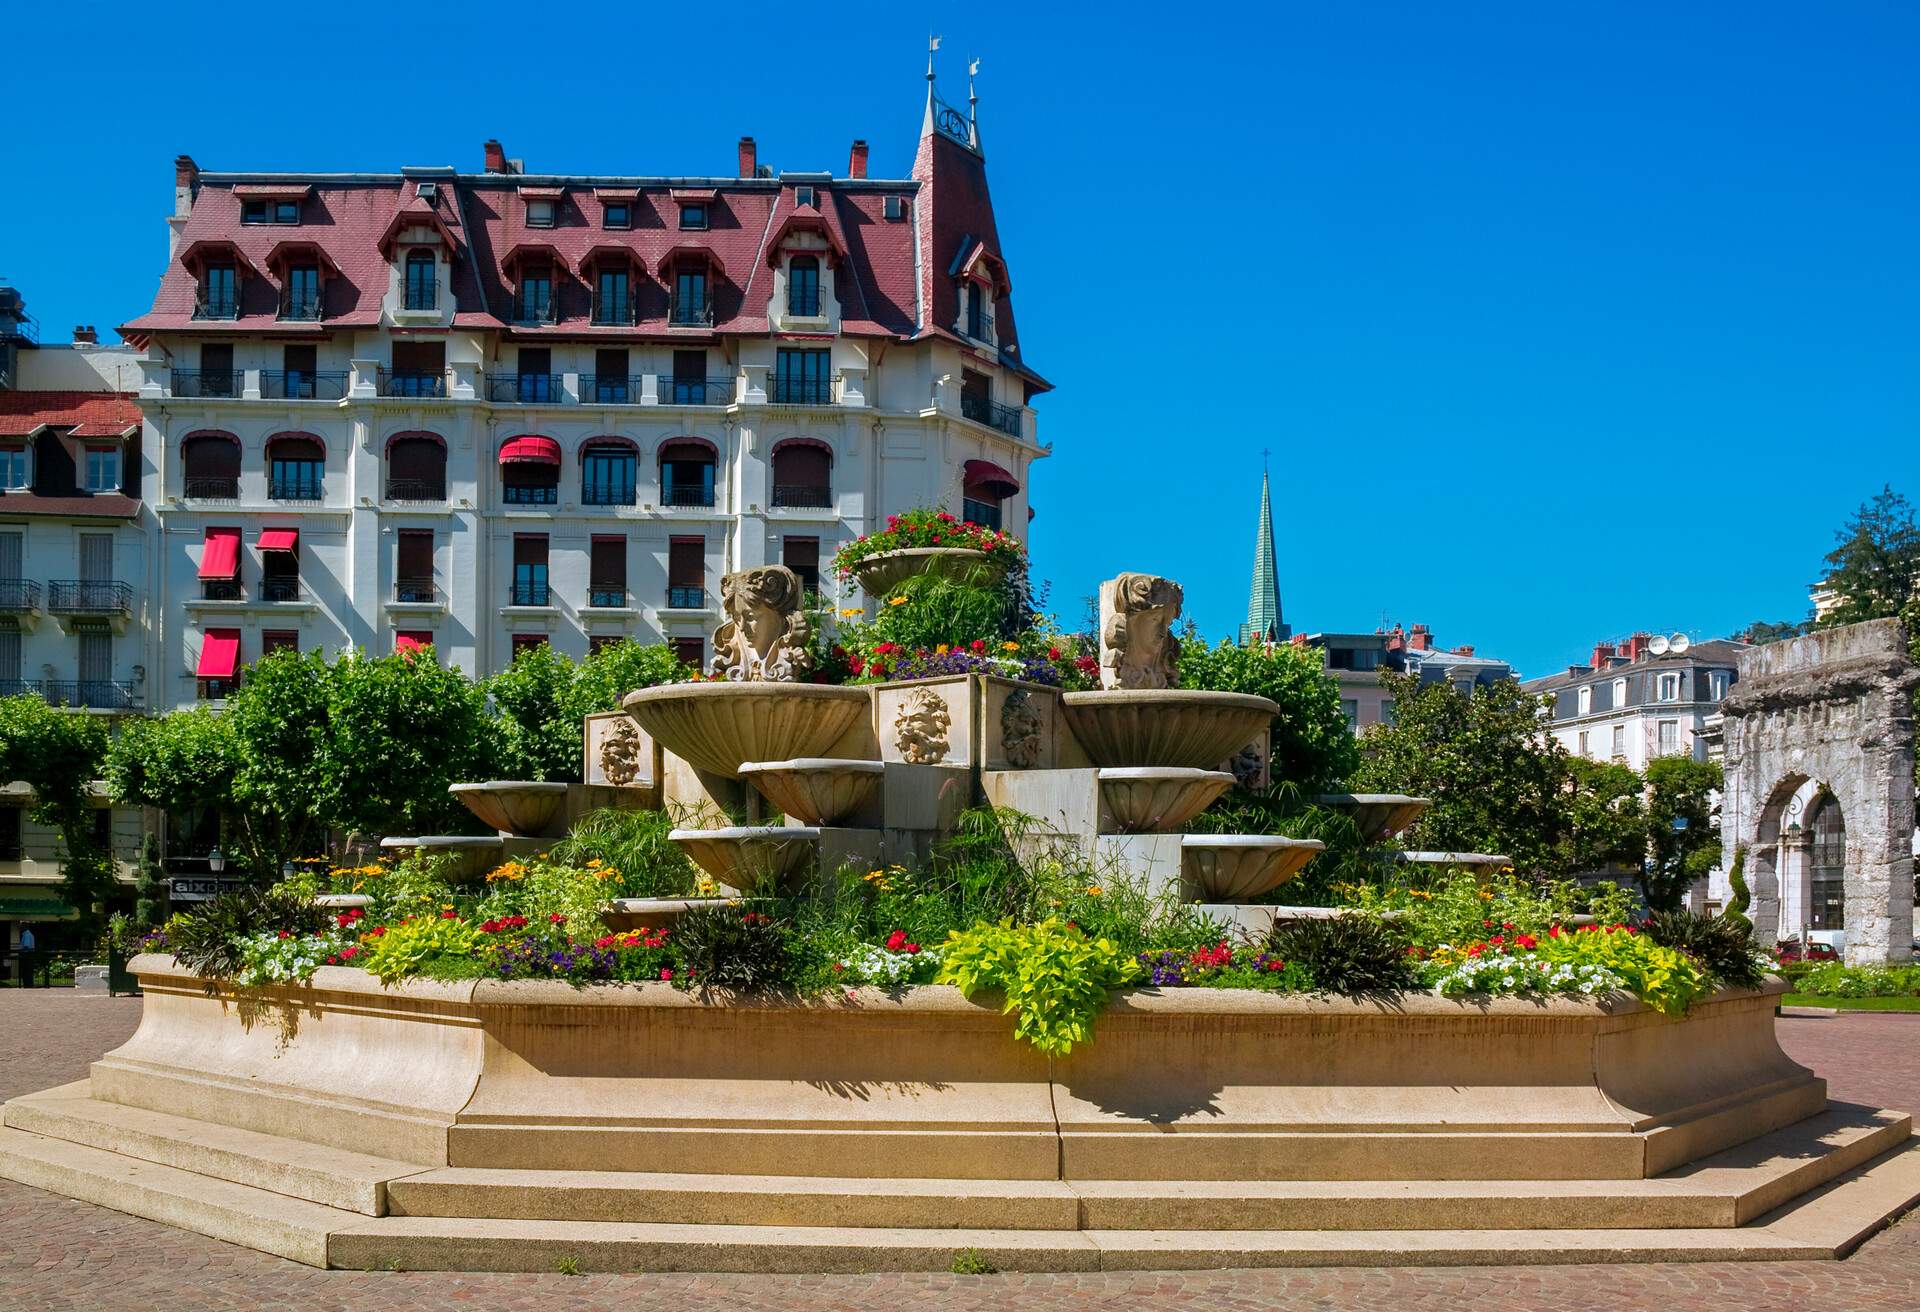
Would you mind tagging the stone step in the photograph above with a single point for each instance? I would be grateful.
(254, 1218)
(334, 1177)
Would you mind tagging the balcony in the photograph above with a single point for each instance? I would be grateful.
(416, 489)
(204, 384)
(19, 596)
(610, 389)
(212, 487)
(607, 494)
(421, 295)
(691, 312)
(686, 596)
(408, 382)
(94, 694)
(90, 597)
(604, 596)
(615, 311)
(536, 309)
(221, 590)
(414, 591)
(279, 589)
(301, 385)
(980, 325)
(529, 592)
(800, 496)
(697, 391)
(530, 494)
(985, 410)
(217, 307)
(296, 487)
(302, 308)
(802, 391)
(218, 690)
(679, 495)
(526, 389)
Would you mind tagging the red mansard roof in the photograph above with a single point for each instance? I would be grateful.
(88, 414)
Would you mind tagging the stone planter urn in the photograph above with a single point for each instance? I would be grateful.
(1377, 816)
(880, 574)
(477, 853)
(750, 860)
(1240, 867)
(816, 790)
(721, 726)
(1165, 726)
(519, 807)
(1159, 799)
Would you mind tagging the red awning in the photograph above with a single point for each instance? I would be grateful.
(219, 654)
(279, 539)
(984, 473)
(220, 558)
(529, 449)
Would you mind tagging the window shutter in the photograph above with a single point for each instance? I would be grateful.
(609, 564)
(416, 554)
(687, 563)
(530, 549)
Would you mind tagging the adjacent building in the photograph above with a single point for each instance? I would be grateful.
(1356, 660)
(482, 410)
(1641, 698)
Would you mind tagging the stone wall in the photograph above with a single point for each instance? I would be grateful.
(1832, 709)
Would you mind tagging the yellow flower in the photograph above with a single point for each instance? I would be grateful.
(896, 601)
(1093, 890)
(1009, 646)
(942, 649)
(850, 612)
(594, 863)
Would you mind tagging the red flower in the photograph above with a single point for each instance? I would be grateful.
(979, 644)
(1526, 941)
(1053, 653)
(884, 649)
(348, 954)
(557, 919)
(449, 915)
(666, 972)
(912, 948)
(856, 666)
(284, 934)
(896, 940)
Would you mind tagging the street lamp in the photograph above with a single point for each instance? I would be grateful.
(216, 860)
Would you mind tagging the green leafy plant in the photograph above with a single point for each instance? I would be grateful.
(634, 844)
(1831, 979)
(1725, 947)
(211, 941)
(150, 885)
(971, 1262)
(399, 951)
(733, 947)
(1736, 912)
(1664, 978)
(1054, 979)
(926, 527)
(1311, 744)
(1353, 955)
(58, 752)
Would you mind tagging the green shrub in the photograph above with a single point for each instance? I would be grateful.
(1832, 979)
(1725, 947)
(733, 947)
(211, 941)
(635, 846)
(398, 952)
(1354, 955)
(970, 1262)
(1664, 978)
(1742, 898)
(1054, 978)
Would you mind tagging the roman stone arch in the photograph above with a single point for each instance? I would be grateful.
(1829, 715)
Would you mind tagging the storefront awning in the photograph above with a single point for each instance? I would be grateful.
(984, 473)
(219, 654)
(529, 449)
(220, 558)
(279, 539)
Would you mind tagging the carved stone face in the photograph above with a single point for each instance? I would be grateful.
(766, 633)
(1137, 646)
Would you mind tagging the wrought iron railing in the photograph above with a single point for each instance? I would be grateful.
(279, 589)
(526, 389)
(412, 382)
(413, 590)
(618, 493)
(803, 302)
(221, 590)
(698, 391)
(301, 306)
(96, 694)
(421, 294)
(217, 690)
(89, 597)
(296, 487)
(677, 494)
(302, 385)
(416, 489)
(19, 595)
(980, 325)
(610, 389)
(610, 310)
(529, 592)
(686, 596)
(802, 496)
(18, 688)
(536, 309)
(217, 307)
(212, 487)
(603, 595)
(530, 494)
(984, 513)
(208, 382)
(987, 411)
(691, 311)
(791, 390)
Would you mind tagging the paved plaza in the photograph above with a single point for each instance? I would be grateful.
(56, 1254)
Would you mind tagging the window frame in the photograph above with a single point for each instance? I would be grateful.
(695, 216)
(25, 454)
(810, 265)
(625, 207)
(607, 491)
(542, 213)
(117, 481)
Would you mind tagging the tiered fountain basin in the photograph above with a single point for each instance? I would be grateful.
(518, 807)
(475, 854)
(521, 1125)
(816, 790)
(719, 727)
(1158, 799)
(1165, 726)
(1377, 816)
(753, 860)
(1483, 864)
(881, 574)
(627, 913)
(1240, 867)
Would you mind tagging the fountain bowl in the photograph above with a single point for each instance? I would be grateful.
(816, 790)
(1159, 799)
(719, 727)
(752, 859)
(880, 574)
(478, 853)
(629, 913)
(1240, 867)
(1165, 726)
(1377, 816)
(515, 806)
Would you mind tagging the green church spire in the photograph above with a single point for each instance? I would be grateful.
(1264, 623)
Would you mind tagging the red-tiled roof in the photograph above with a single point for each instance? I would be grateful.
(88, 414)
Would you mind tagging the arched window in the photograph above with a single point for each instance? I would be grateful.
(422, 288)
(416, 467)
(802, 474)
(607, 472)
(803, 286)
(211, 466)
(686, 473)
(295, 464)
(1827, 867)
(530, 470)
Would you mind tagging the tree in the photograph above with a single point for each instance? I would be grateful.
(1312, 746)
(1761, 632)
(541, 699)
(1606, 817)
(58, 753)
(1873, 568)
(1497, 782)
(1683, 828)
(401, 728)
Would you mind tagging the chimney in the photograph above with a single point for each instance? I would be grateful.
(1602, 653)
(1464, 651)
(857, 161)
(186, 177)
(83, 335)
(1420, 638)
(1637, 645)
(746, 157)
(496, 156)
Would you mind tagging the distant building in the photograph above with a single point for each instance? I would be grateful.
(1642, 698)
(1357, 659)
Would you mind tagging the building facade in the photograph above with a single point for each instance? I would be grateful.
(483, 410)
(1642, 698)
(1357, 660)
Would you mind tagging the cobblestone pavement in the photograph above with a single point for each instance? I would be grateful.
(56, 1254)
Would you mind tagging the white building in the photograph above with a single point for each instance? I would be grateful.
(490, 409)
(1642, 698)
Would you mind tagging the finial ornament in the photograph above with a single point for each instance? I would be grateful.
(933, 44)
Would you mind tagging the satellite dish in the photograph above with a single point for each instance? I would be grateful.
(1657, 646)
(1678, 643)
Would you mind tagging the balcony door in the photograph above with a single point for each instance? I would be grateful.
(96, 661)
(10, 556)
(10, 658)
(96, 557)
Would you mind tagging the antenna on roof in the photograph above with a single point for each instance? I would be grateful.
(1678, 643)
(1657, 646)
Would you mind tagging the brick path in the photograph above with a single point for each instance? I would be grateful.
(56, 1254)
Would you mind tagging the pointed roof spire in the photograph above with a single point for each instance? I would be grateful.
(1264, 622)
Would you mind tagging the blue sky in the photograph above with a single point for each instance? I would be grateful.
(1559, 321)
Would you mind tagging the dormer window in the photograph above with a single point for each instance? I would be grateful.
(979, 317)
(803, 197)
(16, 471)
(618, 215)
(540, 213)
(219, 293)
(894, 208)
(302, 296)
(270, 211)
(422, 290)
(803, 287)
(103, 469)
(693, 216)
(535, 301)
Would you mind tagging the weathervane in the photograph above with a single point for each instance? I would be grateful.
(933, 44)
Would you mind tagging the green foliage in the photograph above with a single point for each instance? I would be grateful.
(399, 729)
(1683, 827)
(541, 699)
(634, 844)
(1742, 898)
(1054, 978)
(1831, 979)
(1874, 563)
(182, 761)
(1312, 747)
(1761, 632)
(1459, 907)
(1606, 818)
(552, 893)
(1664, 978)
(150, 886)
(1355, 955)
(210, 941)
(732, 947)
(59, 753)
(970, 1262)
(401, 951)
(926, 527)
(927, 610)
(1724, 947)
